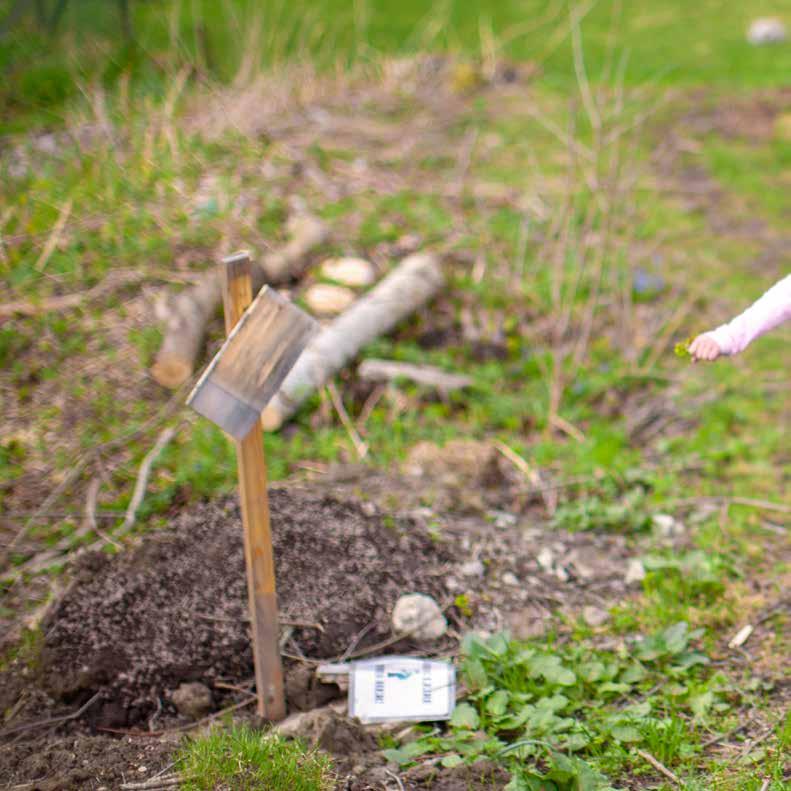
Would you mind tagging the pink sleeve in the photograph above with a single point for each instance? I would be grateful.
(772, 309)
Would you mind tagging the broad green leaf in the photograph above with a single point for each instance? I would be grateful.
(626, 733)
(591, 671)
(639, 709)
(472, 645)
(575, 741)
(475, 673)
(689, 659)
(464, 716)
(676, 637)
(554, 703)
(451, 761)
(498, 644)
(497, 704)
(700, 704)
(516, 720)
(517, 783)
(551, 668)
(408, 752)
(634, 673)
(612, 687)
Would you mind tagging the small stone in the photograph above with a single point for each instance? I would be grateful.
(667, 526)
(635, 571)
(142, 769)
(420, 616)
(510, 579)
(355, 272)
(324, 299)
(502, 519)
(546, 559)
(766, 30)
(562, 574)
(526, 624)
(595, 616)
(473, 568)
(452, 584)
(192, 700)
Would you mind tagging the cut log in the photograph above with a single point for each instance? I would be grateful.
(409, 286)
(194, 307)
(190, 313)
(426, 375)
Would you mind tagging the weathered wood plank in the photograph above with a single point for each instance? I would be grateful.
(252, 363)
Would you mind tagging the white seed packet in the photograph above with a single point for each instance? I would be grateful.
(401, 688)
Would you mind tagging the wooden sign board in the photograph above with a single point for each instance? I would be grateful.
(252, 363)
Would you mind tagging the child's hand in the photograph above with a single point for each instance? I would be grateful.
(704, 347)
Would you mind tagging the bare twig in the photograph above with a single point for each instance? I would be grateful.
(51, 498)
(368, 407)
(155, 783)
(582, 75)
(375, 370)
(52, 720)
(112, 282)
(753, 743)
(359, 445)
(396, 778)
(164, 437)
(721, 737)
(750, 502)
(90, 513)
(54, 237)
(567, 428)
(660, 767)
(182, 728)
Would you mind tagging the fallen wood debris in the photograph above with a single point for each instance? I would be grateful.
(194, 307)
(375, 370)
(409, 286)
(67, 301)
(741, 637)
(141, 483)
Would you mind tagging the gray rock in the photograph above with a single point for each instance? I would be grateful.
(595, 616)
(420, 616)
(192, 700)
(509, 578)
(502, 519)
(667, 526)
(766, 30)
(561, 574)
(546, 559)
(635, 571)
(473, 568)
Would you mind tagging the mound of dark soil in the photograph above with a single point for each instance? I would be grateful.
(78, 762)
(175, 608)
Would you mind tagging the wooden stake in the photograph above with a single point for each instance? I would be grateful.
(237, 295)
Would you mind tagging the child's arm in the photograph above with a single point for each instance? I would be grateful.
(772, 309)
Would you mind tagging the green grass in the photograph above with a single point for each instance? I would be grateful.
(249, 760)
(672, 43)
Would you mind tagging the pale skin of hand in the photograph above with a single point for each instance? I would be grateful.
(704, 347)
